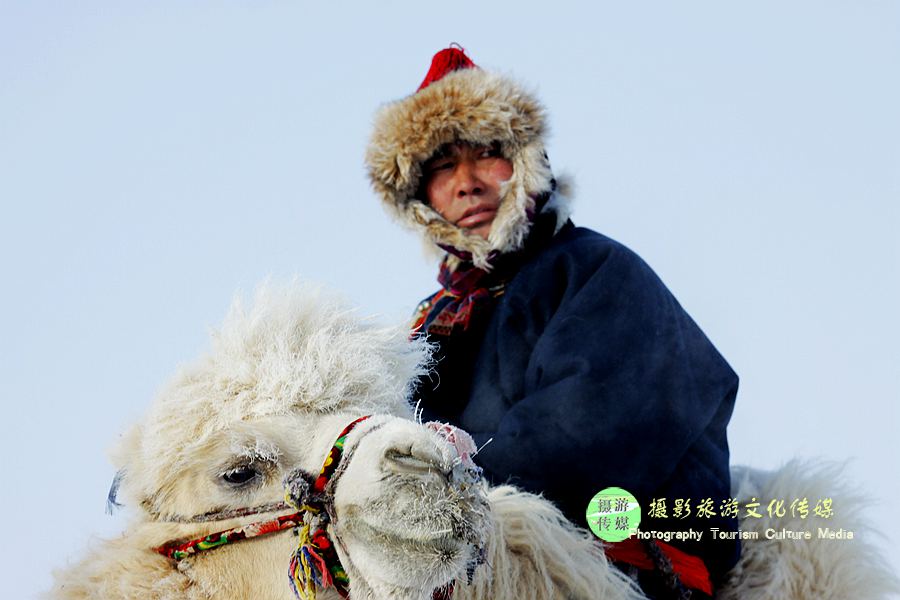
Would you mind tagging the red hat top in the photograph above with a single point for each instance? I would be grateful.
(446, 61)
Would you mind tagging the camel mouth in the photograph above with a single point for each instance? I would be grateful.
(404, 561)
(448, 548)
(414, 534)
(447, 526)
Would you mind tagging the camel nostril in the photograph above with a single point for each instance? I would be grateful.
(414, 460)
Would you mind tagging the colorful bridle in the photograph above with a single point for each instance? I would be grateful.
(315, 562)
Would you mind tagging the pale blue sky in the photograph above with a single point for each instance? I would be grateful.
(157, 156)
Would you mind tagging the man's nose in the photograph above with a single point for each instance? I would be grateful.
(468, 182)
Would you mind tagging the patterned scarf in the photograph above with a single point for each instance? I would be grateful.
(468, 293)
(464, 292)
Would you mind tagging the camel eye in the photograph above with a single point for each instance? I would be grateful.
(240, 476)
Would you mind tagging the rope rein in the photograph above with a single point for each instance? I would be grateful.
(231, 513)
(666, 571)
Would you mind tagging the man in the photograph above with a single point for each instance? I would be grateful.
(557, 344)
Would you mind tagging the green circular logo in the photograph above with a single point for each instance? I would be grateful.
(613, 514)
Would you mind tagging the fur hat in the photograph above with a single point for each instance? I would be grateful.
(458, 101)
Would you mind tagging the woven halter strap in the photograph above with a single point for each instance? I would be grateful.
(177, 549)
(315, 562)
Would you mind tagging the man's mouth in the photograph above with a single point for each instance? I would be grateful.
(477, 215)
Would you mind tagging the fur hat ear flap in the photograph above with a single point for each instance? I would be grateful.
(442, 232)
(459, 102)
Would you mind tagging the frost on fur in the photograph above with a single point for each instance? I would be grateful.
(282, 378)
(296, 348)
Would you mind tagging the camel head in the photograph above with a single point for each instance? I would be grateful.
(263, 409)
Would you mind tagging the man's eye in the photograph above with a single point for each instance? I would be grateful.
(440, 165)
(491, 151)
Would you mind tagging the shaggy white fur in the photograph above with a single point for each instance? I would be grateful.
(297, 348)
(282, 379)
(535, 552)
(806, 569)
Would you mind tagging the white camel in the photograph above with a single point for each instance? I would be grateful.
(407, 520)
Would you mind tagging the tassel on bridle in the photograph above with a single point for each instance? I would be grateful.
(310, 568)
(315, 561)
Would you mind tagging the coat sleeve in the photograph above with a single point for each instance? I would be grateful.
(619, 385)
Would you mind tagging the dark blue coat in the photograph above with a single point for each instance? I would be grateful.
(586, 373)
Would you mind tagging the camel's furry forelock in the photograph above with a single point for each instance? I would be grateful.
(296, 348)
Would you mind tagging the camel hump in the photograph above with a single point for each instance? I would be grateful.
(811, 540)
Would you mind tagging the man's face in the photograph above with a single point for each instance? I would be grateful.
(462, 183)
